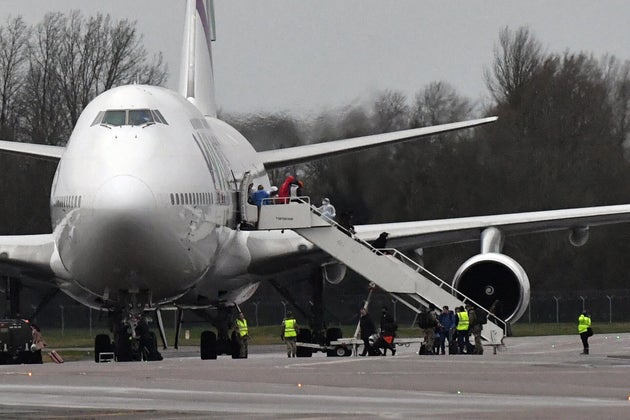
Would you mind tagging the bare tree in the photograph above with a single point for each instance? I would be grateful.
(617, 77)
(127, 58)
(439, 103)
(13, 42)
(516, 60)
(42, 113)
(97, 55)
(391, 112)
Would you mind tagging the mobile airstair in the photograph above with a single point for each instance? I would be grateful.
(409, 283)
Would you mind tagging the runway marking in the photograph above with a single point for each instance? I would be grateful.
(158, 399)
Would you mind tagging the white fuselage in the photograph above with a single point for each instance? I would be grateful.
(150, 208)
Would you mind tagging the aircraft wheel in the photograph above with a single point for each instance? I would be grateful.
(208, 345)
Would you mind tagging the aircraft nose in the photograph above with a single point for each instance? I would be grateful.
(124, 192)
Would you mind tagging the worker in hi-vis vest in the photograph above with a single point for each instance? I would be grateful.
(462, 329)
(242, 335)
(584, 329)
(289, 334)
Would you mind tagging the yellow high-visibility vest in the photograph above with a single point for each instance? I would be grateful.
(289, 328)
(242, 327)
(583, 323)
(462, 324)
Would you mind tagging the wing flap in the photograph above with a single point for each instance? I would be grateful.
(293, 155)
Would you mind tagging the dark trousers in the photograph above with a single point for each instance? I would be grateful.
(445, 335)
(462, 341)
(584, 337)
(367, 349)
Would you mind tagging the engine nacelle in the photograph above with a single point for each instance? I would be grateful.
(334, 272)
(491, 276)
(578, 236)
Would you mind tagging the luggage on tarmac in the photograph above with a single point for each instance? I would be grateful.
(452, 347)
(55, 356)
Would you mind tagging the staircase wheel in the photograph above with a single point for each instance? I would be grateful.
(333, 334)
(102, 344)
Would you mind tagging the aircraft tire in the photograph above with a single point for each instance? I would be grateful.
(304, 336)
(208, 345)
(102, 344)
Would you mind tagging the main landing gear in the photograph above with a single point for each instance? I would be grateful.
(222, 342)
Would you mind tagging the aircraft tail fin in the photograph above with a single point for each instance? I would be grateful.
(196, 80)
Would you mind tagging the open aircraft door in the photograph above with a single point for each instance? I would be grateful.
(248, 212)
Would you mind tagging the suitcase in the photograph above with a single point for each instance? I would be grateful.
(452, 347)
(55, 356)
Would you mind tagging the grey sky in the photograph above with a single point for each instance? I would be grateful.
(301, 56)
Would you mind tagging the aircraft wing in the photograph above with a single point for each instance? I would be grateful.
(41, 150)
(292, 155)
(407, 235)
(27, 256)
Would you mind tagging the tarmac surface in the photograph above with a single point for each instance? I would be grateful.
(533, 377)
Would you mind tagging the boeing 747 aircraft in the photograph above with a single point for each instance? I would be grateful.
(146, 209)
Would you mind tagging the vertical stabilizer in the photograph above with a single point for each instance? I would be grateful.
(196, 80)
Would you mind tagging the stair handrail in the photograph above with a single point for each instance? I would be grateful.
(414, 265)
(447, 287)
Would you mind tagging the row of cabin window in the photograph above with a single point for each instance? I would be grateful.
(119, 117)
(204, 198)
(71, 201)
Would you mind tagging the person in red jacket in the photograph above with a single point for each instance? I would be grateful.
(285, 189)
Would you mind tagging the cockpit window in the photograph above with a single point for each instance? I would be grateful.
(140, 116)
(119, 117)
(114, 117)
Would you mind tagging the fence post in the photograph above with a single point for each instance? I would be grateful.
(583, 302)
(62, 321)
(609, 308)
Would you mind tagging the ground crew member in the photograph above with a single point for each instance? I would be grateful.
(462, 329)
(584, 329)
(475, 327)
(242, 335)
(427, 321)
(289, 334)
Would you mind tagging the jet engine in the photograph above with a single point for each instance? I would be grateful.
(578, 236)
(334, 272)
(490, 277)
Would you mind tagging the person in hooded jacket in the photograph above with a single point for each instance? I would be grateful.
(284, 191)
(327, 210)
